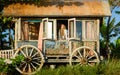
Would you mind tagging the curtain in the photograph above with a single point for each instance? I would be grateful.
(25, 31)
(40, 36)
(88, 31)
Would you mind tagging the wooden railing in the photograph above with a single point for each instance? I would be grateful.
(7, 54)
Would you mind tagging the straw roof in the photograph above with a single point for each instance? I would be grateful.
(59, 8)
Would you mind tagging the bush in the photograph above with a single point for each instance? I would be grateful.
(9, 65)
(111, 67)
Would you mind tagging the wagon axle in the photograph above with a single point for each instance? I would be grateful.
(28, 59)
(83, 61)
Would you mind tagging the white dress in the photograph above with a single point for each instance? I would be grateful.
(63, 37)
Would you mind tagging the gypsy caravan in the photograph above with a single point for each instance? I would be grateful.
(64, 31)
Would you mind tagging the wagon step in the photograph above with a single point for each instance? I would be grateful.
(57, 60)
(57, 56)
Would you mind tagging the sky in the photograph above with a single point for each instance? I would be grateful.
(117, 16)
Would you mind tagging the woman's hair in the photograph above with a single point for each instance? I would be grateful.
(62, 30)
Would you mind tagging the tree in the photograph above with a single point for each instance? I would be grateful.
(116, 48)
(110, 29)
(5, 24)
(112, 32)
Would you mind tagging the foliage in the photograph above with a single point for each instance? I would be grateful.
(113, 30)
(111, 67)
(9, 65)
(111, 33)
(116, 49)
(36, 2)
(5, 24)
(110, 29)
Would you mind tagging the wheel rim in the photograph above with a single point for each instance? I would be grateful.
(33, 61)
(84, 56)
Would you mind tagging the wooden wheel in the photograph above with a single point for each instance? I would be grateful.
(33, 59)
(84, 56)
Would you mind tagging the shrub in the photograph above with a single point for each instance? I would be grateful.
(9, 65)
(111, 67)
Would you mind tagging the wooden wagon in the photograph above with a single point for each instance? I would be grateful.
(37, 32)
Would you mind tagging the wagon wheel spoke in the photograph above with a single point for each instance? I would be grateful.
(84, 52)
(34, 54)
(31, 51)
(36, 63)
(89, 57)
(77, 56)
(23, 53)
(79, 53)
(36, 58)
(33, 66)
(21, 65)
(33, 60)
(91, 61)
(24, 68)
(29, 68)
(26, 49)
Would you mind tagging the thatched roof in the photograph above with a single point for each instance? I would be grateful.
(60, 8)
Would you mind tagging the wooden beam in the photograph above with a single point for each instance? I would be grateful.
(98, 35)
(16, 32)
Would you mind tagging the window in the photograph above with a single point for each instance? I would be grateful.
(62, 25)
(49, 28)
(29, 30)
(33, 31)
(90, 30)
(71, 28)
(79, 29)
(75, 29)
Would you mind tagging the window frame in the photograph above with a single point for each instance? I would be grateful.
(74, 24)
(84, 30)
(74, 31)
(54, 37)
(19, 31)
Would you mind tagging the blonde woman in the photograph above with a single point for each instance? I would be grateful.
(63, 32)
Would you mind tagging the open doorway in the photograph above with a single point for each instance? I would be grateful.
(59, 23)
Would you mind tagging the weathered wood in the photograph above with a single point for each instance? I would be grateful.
(19, 28)
(56, 52)
(84, 56)
(84, 8)
(16, 32)
(91, 44)
(7, 54)
(33, 62)
(31, 42)
(98, 36)
(57, 61)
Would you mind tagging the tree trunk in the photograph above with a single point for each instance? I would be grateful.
(9, 38)
(108, 38)
(1, 46)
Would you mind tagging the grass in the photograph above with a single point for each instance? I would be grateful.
(111, 67)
